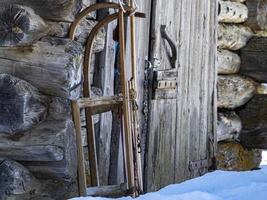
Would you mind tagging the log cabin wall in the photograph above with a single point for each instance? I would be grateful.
(242, 85)
(40, 73)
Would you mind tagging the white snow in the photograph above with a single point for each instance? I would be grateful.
(218, 185)
(264, 158)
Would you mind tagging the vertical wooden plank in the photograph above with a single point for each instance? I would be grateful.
(205, 74)
(142, 48)
(180, 145)
(104, 79)
(160, 160)
(192, 25)
(194, 84)
(160, 165)
(212, 116)
(80, 154)
(183, 84)
(142, 51)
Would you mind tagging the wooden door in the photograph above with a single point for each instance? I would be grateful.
(182, 105)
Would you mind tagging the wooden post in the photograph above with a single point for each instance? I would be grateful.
(126, 128)
(134, 112)
(81, 168)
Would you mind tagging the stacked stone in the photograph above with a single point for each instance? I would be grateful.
(40, 73)
(236, 91)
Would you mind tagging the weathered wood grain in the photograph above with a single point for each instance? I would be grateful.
(59, 10)
(254, 119)
(257, 15)
(254, 59)
(31, 153)
(181, 128)
(232, 12)
(104, 79)
(234, 91)
(160, 164)
(22, 106)
(18, 23)
(107, 191)
(16, 180)
(142, 51)
(52, 65)
(227, 62)
(95, 92)
(61, 29)
(233, 37)
(57, 131)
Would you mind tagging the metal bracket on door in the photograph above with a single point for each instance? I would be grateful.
(165, 80)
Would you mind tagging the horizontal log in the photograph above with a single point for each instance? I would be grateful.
(234, 91)
(257, 15)
(108, 191)
(51, 170)
(56, 10)
(61, 29)
(228, 62)
(232, 12)
(254, 139)
(254, 59)
(16, 180)
(52, 65)
(22, 106)
(254, 118)
(98, 104)
(26, 28)
(57, 130)
(229, 126)
(233, 37)
(31, 153)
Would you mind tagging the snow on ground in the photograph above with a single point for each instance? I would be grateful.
(264, 158)
(218, 185)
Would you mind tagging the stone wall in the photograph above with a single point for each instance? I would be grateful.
(241, 115)
(40, 73)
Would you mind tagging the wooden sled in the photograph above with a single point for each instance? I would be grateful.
(94, 105)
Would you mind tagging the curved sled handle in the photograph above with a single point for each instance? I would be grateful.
(174, 56)
(87, 11)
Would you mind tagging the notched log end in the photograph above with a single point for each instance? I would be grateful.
(16, 180)
(234, 91)
(20, 25)
(232, 12)
(14, 22)
(21, 105)
(233, 37)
